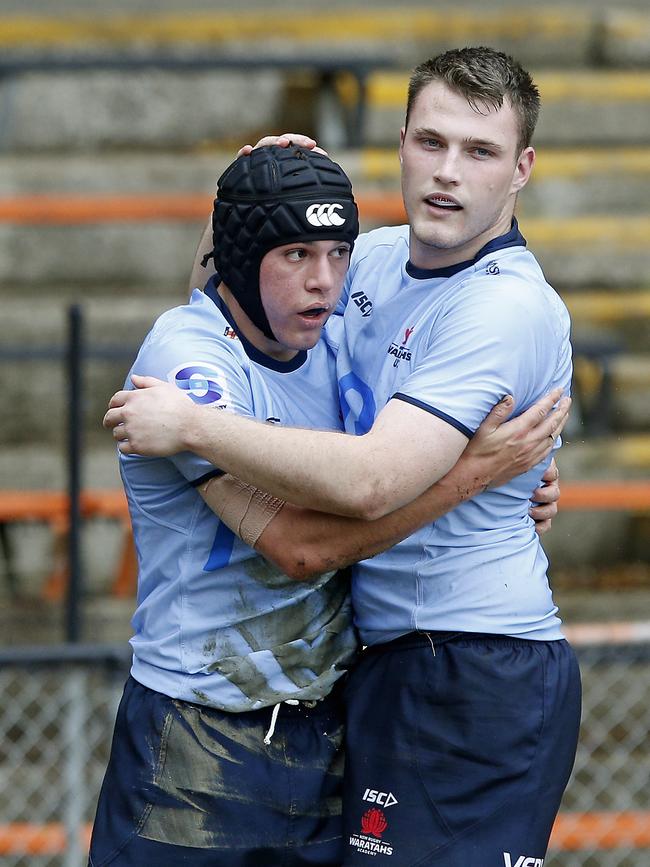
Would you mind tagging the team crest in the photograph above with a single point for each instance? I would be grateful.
(400, 350)
(370, 839)
(204, 383)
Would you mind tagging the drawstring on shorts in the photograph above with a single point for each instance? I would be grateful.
(274, 718)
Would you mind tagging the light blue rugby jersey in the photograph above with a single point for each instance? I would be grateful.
(453, 342)
(215, 622)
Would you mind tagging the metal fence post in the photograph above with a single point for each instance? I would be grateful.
(75, 444)
(75, 752)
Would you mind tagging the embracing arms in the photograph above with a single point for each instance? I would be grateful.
(368, 476)
(304, 543)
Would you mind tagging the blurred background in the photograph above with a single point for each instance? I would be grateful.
(114, 124)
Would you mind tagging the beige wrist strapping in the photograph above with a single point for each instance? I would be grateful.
(244, 508)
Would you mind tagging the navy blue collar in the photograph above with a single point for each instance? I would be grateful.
(512, 238)
(251, 351)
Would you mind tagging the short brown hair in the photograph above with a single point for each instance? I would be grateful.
(484, 77)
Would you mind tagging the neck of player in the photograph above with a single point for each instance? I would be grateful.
(251, 332)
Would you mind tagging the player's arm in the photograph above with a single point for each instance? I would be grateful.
(304, 543)
(406, 451)
(201, 273)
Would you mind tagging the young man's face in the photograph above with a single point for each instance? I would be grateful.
(461, 172)
(300, 285)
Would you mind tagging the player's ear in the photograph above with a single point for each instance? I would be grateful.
(524, 167)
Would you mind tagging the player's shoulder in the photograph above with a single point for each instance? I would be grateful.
(200, 320)
(199, 314)
(192, 335)
(510, 286)
(512, 273)
(387, 237)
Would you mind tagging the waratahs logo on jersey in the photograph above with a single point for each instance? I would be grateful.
(205, 383)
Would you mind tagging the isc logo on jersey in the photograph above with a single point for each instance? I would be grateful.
(363, 303)
(204, 383)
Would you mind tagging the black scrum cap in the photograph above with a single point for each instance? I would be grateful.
(276, 196)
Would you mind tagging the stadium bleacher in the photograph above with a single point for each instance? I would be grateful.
(115, 126)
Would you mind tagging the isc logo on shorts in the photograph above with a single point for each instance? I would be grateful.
(384, 799)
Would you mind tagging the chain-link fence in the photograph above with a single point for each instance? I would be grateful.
(56, 720)
(605, 819)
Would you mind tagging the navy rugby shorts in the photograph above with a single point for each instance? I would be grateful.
(459, 748)
(192, 785)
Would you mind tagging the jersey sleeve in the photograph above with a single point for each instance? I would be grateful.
(478, 352)
(209, 371)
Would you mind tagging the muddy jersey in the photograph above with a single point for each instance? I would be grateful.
(453, 342)
(215, 622)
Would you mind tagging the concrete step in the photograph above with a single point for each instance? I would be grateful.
(603, 308)
(584, 544)
(611, 391)
(612, 383)
(193, 170)
(578, 107)
(162, 110)
(79, 8)
(102, 240)
(414, 31)
(588, 31)
(565, 181)
(581, 543)
(34, 333)
(600, 250)
(45, 106)
(608, 324)
(626, 36)
(149, 109)
(594, 251)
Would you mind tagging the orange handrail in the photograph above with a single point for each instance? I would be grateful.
(605, 495)
(111, 503)
(61, 209)
(32, 838)
(52, 507)
(601, 830)
(40, 505)
(572, 832)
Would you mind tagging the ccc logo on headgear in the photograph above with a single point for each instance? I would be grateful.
(324, 215)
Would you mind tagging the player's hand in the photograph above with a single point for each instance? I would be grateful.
(150, 420)
(546, 498)
(505, 449)
(284, 141)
